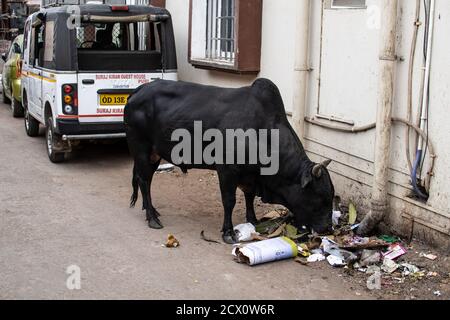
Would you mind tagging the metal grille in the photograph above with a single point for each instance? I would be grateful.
(136, 36)
(88, 34)
(220, 30)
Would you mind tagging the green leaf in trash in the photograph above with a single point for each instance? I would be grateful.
(268, 227)
(352, 214)
(291, 232)
(389, 239)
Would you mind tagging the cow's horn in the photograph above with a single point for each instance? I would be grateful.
(326, 163)
(317, 171)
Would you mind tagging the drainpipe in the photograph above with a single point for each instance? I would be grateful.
(301, 67)
(379, 201)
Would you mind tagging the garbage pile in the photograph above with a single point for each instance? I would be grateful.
(275, 238)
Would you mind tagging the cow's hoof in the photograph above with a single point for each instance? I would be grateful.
(230, 237)
(154, 223)
(155, 211)
(253, 221)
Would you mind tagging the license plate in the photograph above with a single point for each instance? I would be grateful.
(113, 99)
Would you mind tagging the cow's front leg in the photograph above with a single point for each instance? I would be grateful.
(228, 186)
(250, 208)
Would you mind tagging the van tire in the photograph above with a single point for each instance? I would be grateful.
(17, 109)
(50, 137)
(5, 99)
(31, 124)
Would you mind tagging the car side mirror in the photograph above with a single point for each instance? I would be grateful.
(17, 49)
(4, 57)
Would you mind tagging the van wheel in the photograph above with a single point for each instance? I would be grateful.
(17, 109)
(52, 137)
(31, 124)
(5, 99)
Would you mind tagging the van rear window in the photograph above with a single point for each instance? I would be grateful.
(135, 36)
(119, 46)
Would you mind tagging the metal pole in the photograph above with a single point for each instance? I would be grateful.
(301, 68)
(388, 58)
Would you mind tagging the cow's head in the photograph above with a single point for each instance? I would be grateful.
(311, 197)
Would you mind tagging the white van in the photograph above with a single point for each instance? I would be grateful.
(81, 63)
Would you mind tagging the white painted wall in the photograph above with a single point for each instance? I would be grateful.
(277, 58)
(355, 65)
(347, 71)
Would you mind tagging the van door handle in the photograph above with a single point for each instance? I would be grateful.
(88, 81)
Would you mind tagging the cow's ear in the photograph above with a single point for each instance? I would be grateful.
(305, 178)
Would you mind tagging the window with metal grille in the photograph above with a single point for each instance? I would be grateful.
(225, 35)
(220, 39)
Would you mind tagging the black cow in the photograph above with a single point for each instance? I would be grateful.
(156, 109)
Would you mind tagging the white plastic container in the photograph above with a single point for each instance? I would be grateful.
(244, 232)
(266, 251)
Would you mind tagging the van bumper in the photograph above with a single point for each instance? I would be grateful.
(74, 130)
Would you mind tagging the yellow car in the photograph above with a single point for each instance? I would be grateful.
(11, 76)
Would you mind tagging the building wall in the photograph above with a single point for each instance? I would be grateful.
(343, 52)
(277, 53)
(355, 98)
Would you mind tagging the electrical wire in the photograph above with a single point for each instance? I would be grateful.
(365, 128)
(410, 84)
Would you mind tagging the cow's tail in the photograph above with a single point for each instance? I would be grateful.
(134, 183)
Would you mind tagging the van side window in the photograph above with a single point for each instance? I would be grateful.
(10, 52)
(38, 46)
(25, 39)
(32, 49)
(48, 46)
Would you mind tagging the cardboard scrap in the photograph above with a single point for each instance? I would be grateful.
(301, 260)
(358, 243)
(389, 266)
(395, 251)
(274, 214)
(429, 256)
(278, 232)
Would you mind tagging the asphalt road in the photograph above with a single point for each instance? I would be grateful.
(77, 213)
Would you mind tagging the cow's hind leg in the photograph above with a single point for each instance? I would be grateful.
(153, 169)
(144, 174)
(228, 187)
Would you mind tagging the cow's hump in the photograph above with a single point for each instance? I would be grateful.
(267, 92)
